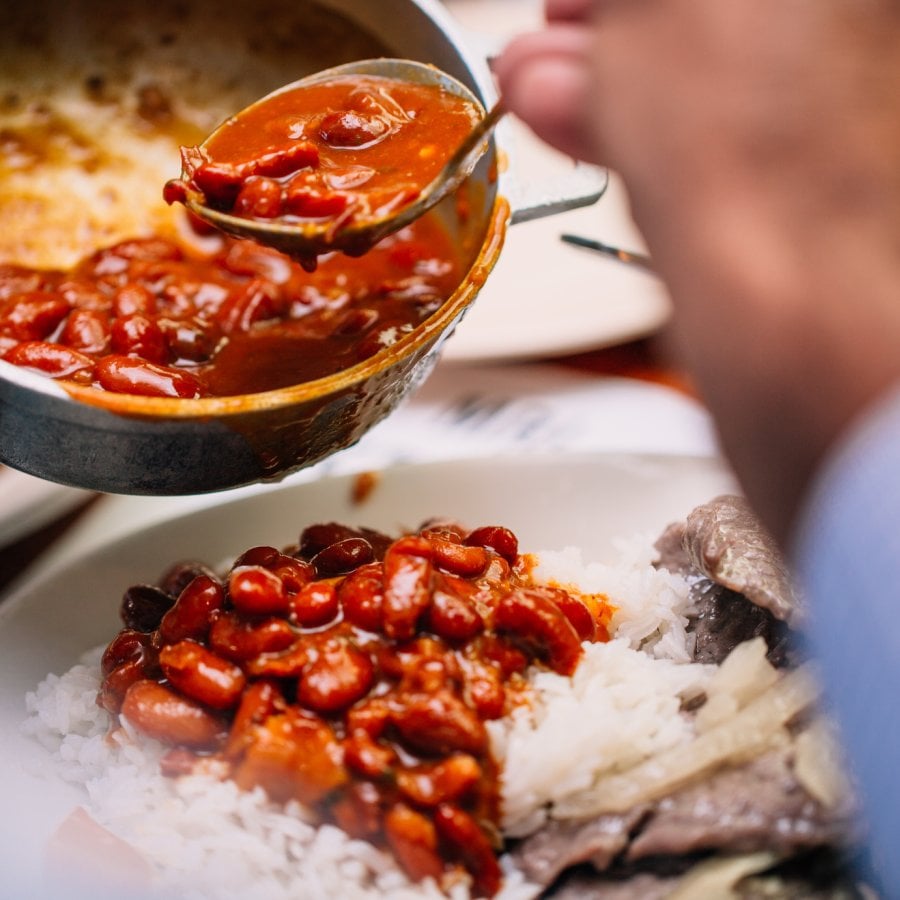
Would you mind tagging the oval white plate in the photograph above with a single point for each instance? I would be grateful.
(550, 502)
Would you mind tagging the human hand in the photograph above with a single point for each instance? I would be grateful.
(760, 144)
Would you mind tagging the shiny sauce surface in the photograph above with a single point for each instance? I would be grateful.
(354, 673)
(153, 317)
(343, 151)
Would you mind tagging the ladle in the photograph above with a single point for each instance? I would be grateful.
(307, 239)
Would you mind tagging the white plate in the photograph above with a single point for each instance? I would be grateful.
(46, 625)
(27, 503)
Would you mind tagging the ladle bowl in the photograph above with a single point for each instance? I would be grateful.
(305, 239)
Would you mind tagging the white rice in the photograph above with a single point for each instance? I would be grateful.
(622, 706)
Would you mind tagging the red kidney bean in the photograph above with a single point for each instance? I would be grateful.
(293, 756)
(352, 129)
(365, 756)
(143, 607)
(358, 811)
(260, 198)
(491, 648)
(433, 783)
(202, 675)
(372, 716)
(467, 839)
(260, 700)
(453, 618)
(342, 557)
(180, 575)
(124, 647)
(495, 537)
(338, 675)
(16, 280)
(484, 690)
(287, 663)
(286, 160)
(86, 330)
(116, 684)
(133, 298)
(314, 605)
(51, 359)
(531, 617)
(166, 716)
(253, 302)
(458, 558)
(308, 202)
(315, 538)
(193, 611)
(240, 640)
(219, 183)
(138, 335)
(439, 723)
(576, 612)
(128, 375)
(407, 586)
(413, 839)
(257, 591)
(155, 249)
(261, 555)
(361, 597)
(33, 316)
(189, 341)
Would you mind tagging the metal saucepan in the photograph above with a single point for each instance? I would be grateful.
(99, 95)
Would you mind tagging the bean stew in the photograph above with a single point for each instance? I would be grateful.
(353, 673)
(159, 318)
(345, 151)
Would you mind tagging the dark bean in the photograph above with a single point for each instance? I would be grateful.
(143, 607)
(179, 576)
(342, 557)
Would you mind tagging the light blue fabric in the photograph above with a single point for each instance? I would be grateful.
(847, 555)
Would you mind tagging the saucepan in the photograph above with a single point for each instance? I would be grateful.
(97, 98)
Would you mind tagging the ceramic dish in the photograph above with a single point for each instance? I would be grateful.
(550, 502)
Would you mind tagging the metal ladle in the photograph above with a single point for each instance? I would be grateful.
(305, 240)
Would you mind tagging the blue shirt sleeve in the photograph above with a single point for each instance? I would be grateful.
(847, 557)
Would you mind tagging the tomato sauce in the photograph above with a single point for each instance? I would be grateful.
(354, 673)
(343, 151)
(152, 317)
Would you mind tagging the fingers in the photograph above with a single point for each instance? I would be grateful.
(544, 79)
(568, 10)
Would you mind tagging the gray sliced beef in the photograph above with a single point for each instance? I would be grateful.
(725, 541)
(742, 589)
(559, 845)
(758, 806)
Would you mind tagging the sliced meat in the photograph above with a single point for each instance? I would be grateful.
(758, 806)
(725, 541)
(741, 588)
(561, 845)
(671, 551)
(723, 619)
